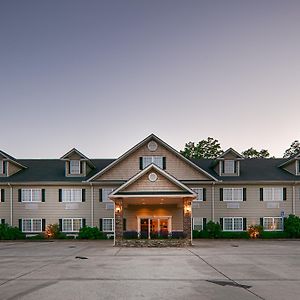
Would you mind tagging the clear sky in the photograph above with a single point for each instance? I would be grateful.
(103, 75)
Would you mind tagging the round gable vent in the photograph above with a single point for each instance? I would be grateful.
(152, 177)
(152, 146)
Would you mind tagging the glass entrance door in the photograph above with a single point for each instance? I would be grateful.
(154, 227)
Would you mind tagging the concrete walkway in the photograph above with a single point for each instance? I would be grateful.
(209, 270)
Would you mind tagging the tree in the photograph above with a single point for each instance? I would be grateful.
(253, 153)
(294, 149)
(209, 148)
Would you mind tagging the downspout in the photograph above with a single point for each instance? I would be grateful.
(213, 201)
(294, 199)
(92, 205)
(11, 204)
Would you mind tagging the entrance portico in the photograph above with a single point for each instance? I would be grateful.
(159, 209)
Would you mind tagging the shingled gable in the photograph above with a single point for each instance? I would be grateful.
(11, 159)
(229, 151)
(161, 142)
(290, 159)
(171, 189)
(74, 151)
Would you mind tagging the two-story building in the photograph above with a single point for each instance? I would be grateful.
(151, 189)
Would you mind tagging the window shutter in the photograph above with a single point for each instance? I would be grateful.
(261, 194)
(60, 224)
(43, 195)
(141, 163)
(2, 195)
(284, 194)
(20, 195)
(2, 221)
(100, 195)
(204, 194)
(222, 166)
(43, 224)
(83, 195)
(164, 162)
(60, 195)
(244, 194)
(100, 225)
(235, 166)
(81, 167)
(221, 223)
(204, 223)
(20, 224)
(244, 223)
(83, 222)
(221, 194)
(69, 168)
(261, 221)
(124, 224)
(4, 167)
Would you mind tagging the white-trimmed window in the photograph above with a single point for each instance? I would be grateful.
(105, 194)
(71, 224)
(108, 225)
(273, 194)
(157, 160)
(233, 224)
(200, 194)
(232, 194)
(198, 223)
(75, 167)
(31, 225)
(71, 195)
(31, 195)
(273, 223)
(2, 171)
(229, 166)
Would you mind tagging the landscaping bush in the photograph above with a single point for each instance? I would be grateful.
(274, 235)
(10, 233)
(254, 231)
(213, 229)
(130, 235)
(91, 233)
(292, 226)
(234, 235)
(52, 231)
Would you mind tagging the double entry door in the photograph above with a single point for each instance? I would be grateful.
(154, 227)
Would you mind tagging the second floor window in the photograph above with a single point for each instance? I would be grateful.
(232, 194)
(148, 160)
(200, 194)
(71, 195)
(2, 169)
(31, 195)
(273, 194)
(75, 167)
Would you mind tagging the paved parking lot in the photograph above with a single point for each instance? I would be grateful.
(208, 270)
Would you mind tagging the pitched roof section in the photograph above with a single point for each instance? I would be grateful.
(290, 159)
(73, 151)
(228, 151)
(170, 185)
(158, 140)
(12, 159)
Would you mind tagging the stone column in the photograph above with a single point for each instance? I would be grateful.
(118, 222)
(187, 224)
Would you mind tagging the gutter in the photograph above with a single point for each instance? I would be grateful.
(11, 203)
(213, 202)
(294, 199)
(92, 205)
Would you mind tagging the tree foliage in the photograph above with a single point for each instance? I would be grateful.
(209, 148)
(294, 149)
(253, 153)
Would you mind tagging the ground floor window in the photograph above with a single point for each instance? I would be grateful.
(233, 224)
(198, 223)
(71, 224)
(32, 225)
(273, 223)
(108, 224)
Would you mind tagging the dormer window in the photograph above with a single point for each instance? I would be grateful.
(229, 166)
(2, 168)
(75, 167)
(145, 161)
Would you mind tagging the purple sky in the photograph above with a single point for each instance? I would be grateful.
(102, 75)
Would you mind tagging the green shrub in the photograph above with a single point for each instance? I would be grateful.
(234, 235)
(10, 233)
(90, 233)
(292, 226)
(203, 234)
(213, 229)
(274, 235)
(52, 231)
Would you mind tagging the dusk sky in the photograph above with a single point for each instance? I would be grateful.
(102, 75)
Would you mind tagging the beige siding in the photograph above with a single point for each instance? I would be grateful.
(291, 167)
(52, 210)
(175, 166)
(133, 211)
(12, 168)
(161, 184)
